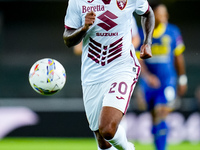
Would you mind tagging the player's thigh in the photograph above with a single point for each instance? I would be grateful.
(116, 100)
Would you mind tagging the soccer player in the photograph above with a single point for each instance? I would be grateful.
(110, 68)
(162, 74)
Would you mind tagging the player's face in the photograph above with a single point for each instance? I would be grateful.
(161, 14)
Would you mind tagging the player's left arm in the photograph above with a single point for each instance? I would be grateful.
(181, 72)
(148, 24)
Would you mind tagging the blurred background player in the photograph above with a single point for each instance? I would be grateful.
(78, 48)
(135, 38)
(163, 74)
(135, 34)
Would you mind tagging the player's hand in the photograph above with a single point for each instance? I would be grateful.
(153, 81)
(89, 20)
(145, 51)
(182, 89)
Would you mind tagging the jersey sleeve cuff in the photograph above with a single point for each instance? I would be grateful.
(179, 49)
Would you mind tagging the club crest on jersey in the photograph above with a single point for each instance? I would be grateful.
(121, 4)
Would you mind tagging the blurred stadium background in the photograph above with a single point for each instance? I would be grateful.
(32, 29)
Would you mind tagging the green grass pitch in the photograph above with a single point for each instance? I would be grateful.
(73, 144)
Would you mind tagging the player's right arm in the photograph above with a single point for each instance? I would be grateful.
(74, 36)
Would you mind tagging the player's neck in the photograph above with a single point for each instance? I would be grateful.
(106, 1)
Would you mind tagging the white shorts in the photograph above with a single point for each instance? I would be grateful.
(114, 93)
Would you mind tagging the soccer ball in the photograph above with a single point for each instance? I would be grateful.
(47, 76)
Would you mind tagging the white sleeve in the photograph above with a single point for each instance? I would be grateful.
(134, 27)
(73, 15)
(142, 7)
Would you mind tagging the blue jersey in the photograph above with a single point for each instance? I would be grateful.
(167, 43)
